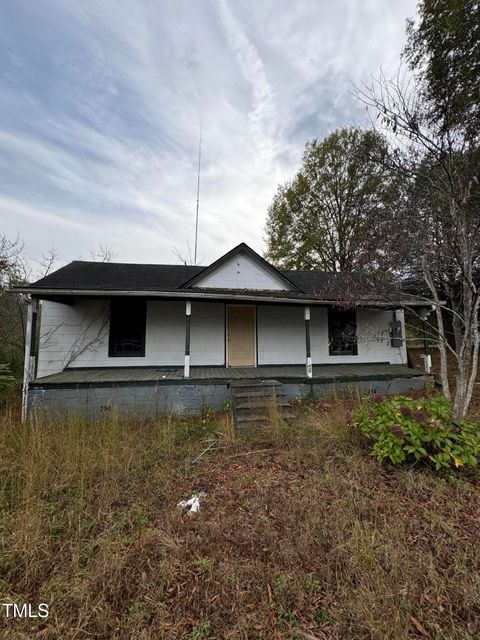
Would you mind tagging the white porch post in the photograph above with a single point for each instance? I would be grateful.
(29, 357)
(427, 358)
(188, 314)
(307, 342)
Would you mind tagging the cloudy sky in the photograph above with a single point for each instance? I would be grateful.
(101, 102)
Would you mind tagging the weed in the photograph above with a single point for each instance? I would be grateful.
(141, 518)
(322, 616)
(279, 584)
(204, 565)
(200, 632)
(287, 619)
(312, 584)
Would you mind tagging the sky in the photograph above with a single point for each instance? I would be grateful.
(101, 103)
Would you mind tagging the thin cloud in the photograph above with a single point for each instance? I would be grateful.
(100, 105)
(263, 114)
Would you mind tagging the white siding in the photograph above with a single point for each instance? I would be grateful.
(281, 337)
(240, 272)
(373, 336)
(77, 336)
(65, 330)
(207, 344)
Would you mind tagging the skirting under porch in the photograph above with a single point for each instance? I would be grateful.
(152, 391)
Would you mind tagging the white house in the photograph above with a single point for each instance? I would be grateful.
(143, 338)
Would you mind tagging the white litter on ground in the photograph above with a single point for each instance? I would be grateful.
(193, 502)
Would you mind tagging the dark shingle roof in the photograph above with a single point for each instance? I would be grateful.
(111, 276)
(118, 276)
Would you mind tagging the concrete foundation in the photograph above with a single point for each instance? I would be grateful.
(143, 401)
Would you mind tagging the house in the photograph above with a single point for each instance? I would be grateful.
(147, 338)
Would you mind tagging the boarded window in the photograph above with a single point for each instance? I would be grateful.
(342, 332)
(127, 328)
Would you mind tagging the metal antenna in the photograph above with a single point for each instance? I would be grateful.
(198, 193)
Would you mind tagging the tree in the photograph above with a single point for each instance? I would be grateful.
(13, 270)
(434, 125)
(328, 217)
(103, 253)
(187, 258)
(441, 220)
(47, 262)
(443, 48)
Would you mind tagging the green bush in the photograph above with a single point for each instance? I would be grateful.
(406, 430)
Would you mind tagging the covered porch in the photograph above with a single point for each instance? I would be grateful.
(324, 373)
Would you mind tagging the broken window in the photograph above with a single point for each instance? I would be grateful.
(342, 332)
(128, 319)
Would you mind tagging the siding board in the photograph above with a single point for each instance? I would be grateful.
(83, 328)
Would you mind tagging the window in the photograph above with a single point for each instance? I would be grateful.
(342, 332)
(127, 328)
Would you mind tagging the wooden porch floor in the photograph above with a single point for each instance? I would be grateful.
(202, 375)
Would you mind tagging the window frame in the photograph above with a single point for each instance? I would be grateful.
(115, 307)
(353, 351)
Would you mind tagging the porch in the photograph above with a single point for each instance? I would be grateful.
(152, 391)
(321, 374)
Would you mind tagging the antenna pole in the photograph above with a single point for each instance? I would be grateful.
(198, 193)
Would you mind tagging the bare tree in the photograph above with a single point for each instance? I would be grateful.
(12, 263)
(47, 262)
(438, 221)
(13, 270)
(103, 253)
(186, 259)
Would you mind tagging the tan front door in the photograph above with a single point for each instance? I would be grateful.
(240, 336)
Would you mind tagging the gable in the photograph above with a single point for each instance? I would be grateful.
(241, 268)
(241, 272)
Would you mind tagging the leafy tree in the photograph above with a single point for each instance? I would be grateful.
(331, 215)
(444, 49)
(435, 132)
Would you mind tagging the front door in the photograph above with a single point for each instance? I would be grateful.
(240, 336)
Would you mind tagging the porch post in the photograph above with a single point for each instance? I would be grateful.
(29, 356)
(307, 342)
(188, 313)
(427, 358)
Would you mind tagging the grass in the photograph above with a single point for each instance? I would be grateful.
(300, 534)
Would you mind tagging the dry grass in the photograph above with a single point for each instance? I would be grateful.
(310, 538)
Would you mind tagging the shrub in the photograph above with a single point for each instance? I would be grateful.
(406, 430)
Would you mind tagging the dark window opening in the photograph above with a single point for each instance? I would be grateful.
(128, 320)
(342, 332)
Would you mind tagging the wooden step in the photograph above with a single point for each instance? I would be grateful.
(252, 418)
(252, 400)
(257, 393)
(257, 418)
(264, 404)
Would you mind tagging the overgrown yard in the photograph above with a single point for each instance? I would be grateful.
(300, 534)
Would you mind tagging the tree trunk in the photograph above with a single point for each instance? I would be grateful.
(449, 328)
(459, 408)
(442, 349)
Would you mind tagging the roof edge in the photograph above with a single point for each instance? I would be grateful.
(183, 294)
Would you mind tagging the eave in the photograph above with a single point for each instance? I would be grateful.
(190, 294)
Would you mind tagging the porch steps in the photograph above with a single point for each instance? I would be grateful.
(251, 401)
